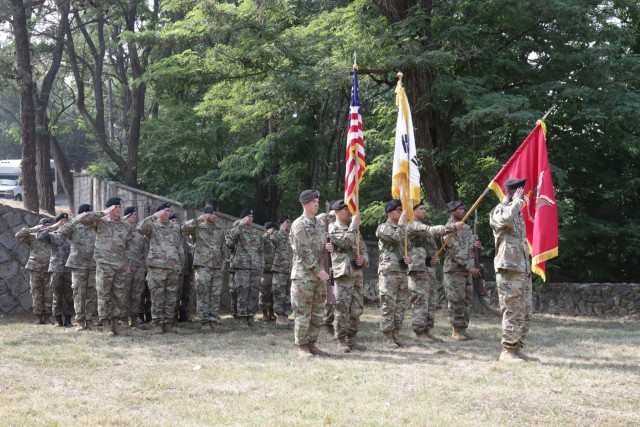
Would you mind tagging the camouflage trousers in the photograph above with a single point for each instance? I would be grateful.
(281, 291)
(329, 313)
(265, 300)
(349, 304)
(307, 301)
(133, 289)
(458, 287)
(514, 294)
(208, 289)
(110, 280)
(62, 293)
(85, 297)
(41, 296)
(163, 287)
(423, 299)
(247, 284)
(394, 299)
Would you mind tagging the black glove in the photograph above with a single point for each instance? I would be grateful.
(355, 265)
(403, 264)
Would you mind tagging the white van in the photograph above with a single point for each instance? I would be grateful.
(11, 179)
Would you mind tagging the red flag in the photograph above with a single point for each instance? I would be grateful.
(355, 159)
(539, 210)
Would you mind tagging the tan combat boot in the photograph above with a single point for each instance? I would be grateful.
(316, 351)
(106, 328)
(428, 334)
(115, 326)
(303, 351)
(457, 335)
(353, 345)
(343, 347)
(388, 340)
(282, 320)
(526, 358)
(467, 334)
(397, 339)
(81, 325)
(509, 355)
(133, 321)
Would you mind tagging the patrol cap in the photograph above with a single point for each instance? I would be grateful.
(114, 201)
(453, 205)
(173, 216)
(209, 209)
(84, 208)
(269, 225)
(308, 195)
(391, 205)
(338, 204)
(246, 212)
(162, 206)
(45, 220)
(420, 203)
(513, 183)
(128, 211)
(61, 216)
(284, 218)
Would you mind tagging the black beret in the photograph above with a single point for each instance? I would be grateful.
(452, 206)
(209, 209)
(284, 218)
(390, 206)
(246, 212)
(268, 225)
(513, 183)
(162, 206)
(308, 195)
(128, 211)
(45, 221)
(420, 203)
(173, 216)
(84, 208)
(338, 204)
(61, 216)
(114, 201)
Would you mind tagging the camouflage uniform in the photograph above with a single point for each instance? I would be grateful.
(247, 260)
(39, 277)
(282, 258)
(421, 276)
(164, 264)
(349, 287)
(266, 283)
(137, 251)
(513, 272)
(393, 287)
(208, 258)
(111, 261)
(60, 275)
(83, 269)
(458, 282)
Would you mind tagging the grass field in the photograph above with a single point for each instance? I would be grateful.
(50, 376)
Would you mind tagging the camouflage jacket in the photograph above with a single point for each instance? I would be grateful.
(344, 238)
(165, 243)
(307, 243)
(512, 249)
(269, 252)
(247, 247)
(83, 242)
(137, 249)
(422, 244)
(283, 255)
(111, 237)
(209, 242)
(60, 248)
(390, 245)
(459, 252)
(39, 251)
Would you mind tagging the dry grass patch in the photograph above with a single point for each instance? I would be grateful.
(52, 376)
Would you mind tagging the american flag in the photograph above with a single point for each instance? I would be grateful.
(355, 159)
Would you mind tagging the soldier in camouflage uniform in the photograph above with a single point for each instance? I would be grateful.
(308, 287)
(208, 258)
(282, 258)
(39, 277)
(459, 271)
(247, 261)
(266, 283)
(83, 269)
(60, 275)
(513, 271)
(112, 236)
(137, 251)
(421, 275)
(349, 257)
(164, 265)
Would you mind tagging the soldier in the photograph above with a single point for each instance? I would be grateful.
(137, 251)
(247, 261)
(421, 275)
(281, 284)
(60, 275)
(39, 277)
(164, 265)
(266, 283)
(459, 270)
(208, 258)
(83, 269)
(308, 277)
(349, 257)
(513, 271)
(112, 236)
